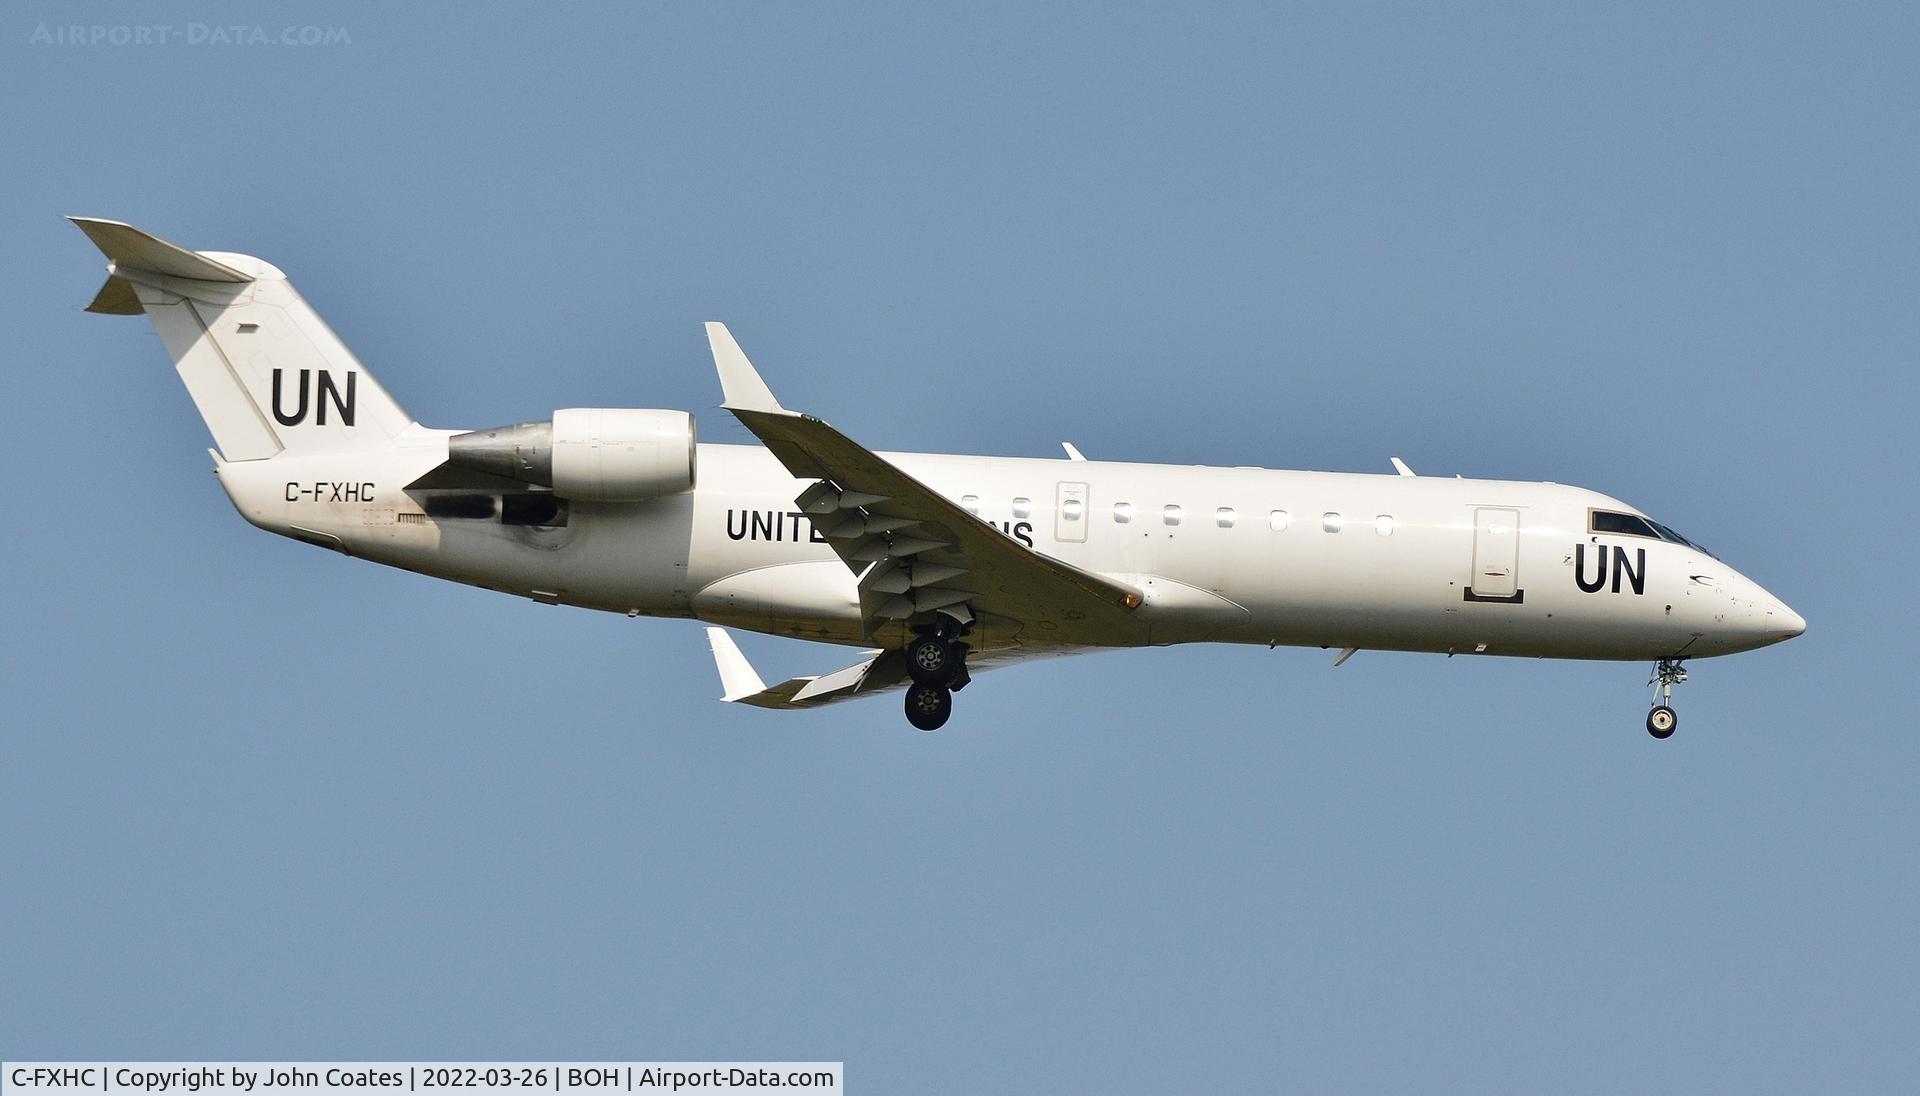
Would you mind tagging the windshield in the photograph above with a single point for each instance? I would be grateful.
(1669, 535)
(1633, 525)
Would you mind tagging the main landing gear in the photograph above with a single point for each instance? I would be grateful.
(928, 705)
(938, 666)
(1662, 720)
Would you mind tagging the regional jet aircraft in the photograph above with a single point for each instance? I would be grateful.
(942, 565)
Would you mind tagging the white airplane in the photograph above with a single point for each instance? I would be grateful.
(943, 565)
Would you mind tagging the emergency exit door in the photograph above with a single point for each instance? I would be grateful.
(1070, 513)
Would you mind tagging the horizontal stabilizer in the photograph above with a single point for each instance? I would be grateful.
(133, 249)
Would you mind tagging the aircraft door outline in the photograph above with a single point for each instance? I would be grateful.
(1070, 517)
(1496, 556)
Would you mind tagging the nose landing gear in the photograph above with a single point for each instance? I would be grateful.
(1662, 720)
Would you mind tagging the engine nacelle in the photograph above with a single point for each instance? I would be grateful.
(595, 454)
(622, 454)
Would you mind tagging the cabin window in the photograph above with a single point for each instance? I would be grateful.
(1072, 509)
(1172, 514)
(1331, 522)
(1277, 521)
(1383, 525)
(1122, 513)
(1225, 517)
(971, 504)
(1022, 508)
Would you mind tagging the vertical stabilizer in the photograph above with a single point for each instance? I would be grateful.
(265, 371)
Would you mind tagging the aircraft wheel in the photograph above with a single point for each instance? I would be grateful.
(932, 660)
(1661, 721)
(928, 706)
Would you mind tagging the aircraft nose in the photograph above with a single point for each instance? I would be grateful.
(1773, 619)
(1757, 617)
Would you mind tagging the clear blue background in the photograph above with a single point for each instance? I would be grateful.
(259, 801)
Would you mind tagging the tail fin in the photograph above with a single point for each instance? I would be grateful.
(266, 372)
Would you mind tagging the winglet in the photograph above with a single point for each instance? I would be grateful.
(1400, 466)
(1073, 451)
(744, 389)
(736, 673)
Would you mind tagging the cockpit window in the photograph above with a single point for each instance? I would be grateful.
(1633, 525)
(1669, 535)
(1630, 525)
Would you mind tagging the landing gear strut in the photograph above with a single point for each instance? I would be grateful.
(1662, 720)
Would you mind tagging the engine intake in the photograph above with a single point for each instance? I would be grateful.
(595, 454)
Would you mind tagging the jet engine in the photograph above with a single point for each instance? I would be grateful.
(594, 454)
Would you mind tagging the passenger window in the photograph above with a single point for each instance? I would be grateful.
(1022, 508)
(1071, 509)
(1330, 521)
(1122, 513)
(971, 504)
(1172, 514)
(1277, 521)
(1225, 517)
(1383, 525)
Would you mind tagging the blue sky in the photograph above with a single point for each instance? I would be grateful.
(258, 801)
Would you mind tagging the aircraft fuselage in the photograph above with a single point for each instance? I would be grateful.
(1236, 555)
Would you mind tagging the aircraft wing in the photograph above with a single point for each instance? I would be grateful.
(916, 551)
(876, 673)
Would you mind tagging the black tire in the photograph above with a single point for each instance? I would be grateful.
(928, 706)
(1661, 721)
(932, 660)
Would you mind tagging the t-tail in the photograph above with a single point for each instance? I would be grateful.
(267, 374)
